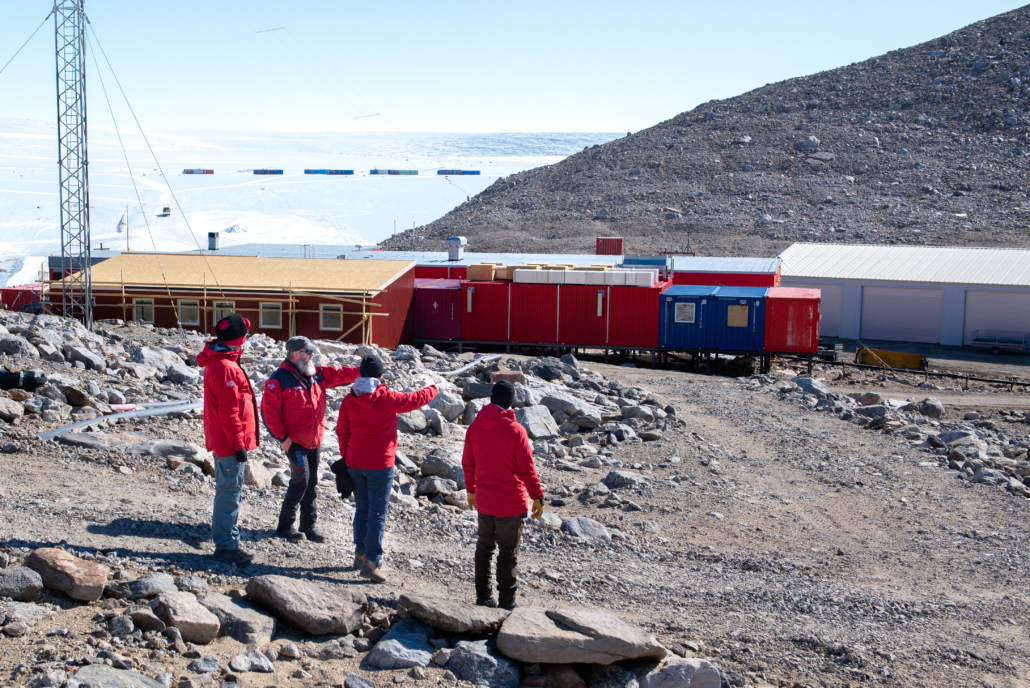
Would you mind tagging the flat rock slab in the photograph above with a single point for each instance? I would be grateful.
(252, 661)
(316, 608)
(586, 529)
(453, 617)
(27, 613)
(182, 610)
(405, 645)
(240, 619)
(147, 587)
(79, 579)
(20, 583)
(574, 635)
(100, 676)
(676, 672)
(477, 663)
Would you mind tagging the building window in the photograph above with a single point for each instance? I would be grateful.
(272, 316)
(737, 316)
(332, 317)
(685, 313)
(223, 309)
(189, 312)
(143, 310)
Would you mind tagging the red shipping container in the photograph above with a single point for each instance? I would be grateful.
(609, 246)
(583, 315)
(484, 311)
(633, 315)
(438, 310)
(457, 273)
(792, 320)
(534, 313)
(430, 271)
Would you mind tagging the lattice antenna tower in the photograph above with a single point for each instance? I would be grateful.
(70, 39)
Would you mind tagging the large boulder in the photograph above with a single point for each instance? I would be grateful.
(676, 672)
(240, 619)
(537, 421)
(475, 662)
(79, 579)
(472, 410)
(411, 422)
(931, 407)
(449, 405)
(316, 608)
(148, 587)
(574, 635)
(586, 529)
(439, 463)
(78, 352)
(183, 374)
(810, 385)
(405, 645)
(182, 610)
(452, 616)
(102, 676)
(13, 345)
(477, 390)
(10, 409)
(257, 476)
(158, 359)
(20, 583)
(549, 368)
(623, 479)
(435, 485)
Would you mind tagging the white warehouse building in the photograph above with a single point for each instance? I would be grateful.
(933, 294)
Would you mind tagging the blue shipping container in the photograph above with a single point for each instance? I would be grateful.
(457, 172)
(682, 320)
(328, 171)
(268, 171)
(736, 318)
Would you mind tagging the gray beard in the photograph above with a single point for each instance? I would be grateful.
(307, 368)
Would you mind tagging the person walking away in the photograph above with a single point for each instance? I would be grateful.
(230, 431)
(293, 409)
(367, 430)
(499, 477)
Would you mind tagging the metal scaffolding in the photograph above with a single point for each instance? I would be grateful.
(70, 40)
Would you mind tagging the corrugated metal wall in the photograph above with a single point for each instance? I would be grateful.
(792, 320)
(633, 315)
(484, 315)
(534, 313)
(583, 315)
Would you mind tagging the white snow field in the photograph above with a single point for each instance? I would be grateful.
(291, 208)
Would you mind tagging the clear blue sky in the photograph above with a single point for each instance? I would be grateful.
(453, 66)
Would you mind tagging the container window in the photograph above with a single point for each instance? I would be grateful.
(685, 313)
(143, 310)
(223, 309)
(272, 316)
(737, 316)
(332, 317)
(189, 312)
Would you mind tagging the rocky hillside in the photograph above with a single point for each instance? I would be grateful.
(925, 145)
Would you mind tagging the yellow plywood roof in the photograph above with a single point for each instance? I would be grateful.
(248, 272)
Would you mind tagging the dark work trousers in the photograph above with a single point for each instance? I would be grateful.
(302, 489)
(505, 533)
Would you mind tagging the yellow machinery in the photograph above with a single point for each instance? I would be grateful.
(892, 359)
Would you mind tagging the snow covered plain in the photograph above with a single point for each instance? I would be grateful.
(292, 208)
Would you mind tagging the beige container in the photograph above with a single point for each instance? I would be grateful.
(553, 267)
(509, 271)
(538, 264)
(480, 273)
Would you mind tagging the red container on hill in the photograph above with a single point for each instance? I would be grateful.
(583, 315)
(430, 271)
(609, 246)
(484, 311)
(534, 313)
(437, 309)
(633, 315)
(792, 320)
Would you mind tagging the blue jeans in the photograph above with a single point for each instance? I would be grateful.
(371, 500)
(228, 493)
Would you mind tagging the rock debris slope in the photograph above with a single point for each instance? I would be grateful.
(924, 145)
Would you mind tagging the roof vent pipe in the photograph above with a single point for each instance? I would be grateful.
(456, 247)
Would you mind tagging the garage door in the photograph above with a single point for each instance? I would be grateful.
(902, 315)
(829, 306)
(996, 310)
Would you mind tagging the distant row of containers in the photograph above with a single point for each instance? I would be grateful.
(348, 172)
(715, 279)
(738, 319)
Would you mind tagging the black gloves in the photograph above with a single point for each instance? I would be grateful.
(241, 455)
(343, 482)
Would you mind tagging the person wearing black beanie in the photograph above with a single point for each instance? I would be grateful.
(371, 366)
(503, 394)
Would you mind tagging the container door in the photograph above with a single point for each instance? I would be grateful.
(996, 310)
(737, 324)
(583, 315)
(534, 313)
(900, 314)
(683, 320)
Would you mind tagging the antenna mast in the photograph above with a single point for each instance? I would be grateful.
(70, 41)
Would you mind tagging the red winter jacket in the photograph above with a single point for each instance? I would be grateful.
(367, 426)
(498, 464)
(230, 408)
(294, 407)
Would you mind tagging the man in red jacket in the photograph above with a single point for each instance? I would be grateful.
(500, 477)
(293, 408)
(367, 429)
(230, 431)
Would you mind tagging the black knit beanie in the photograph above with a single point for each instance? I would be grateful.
(371, 366)
(503, 394)
(232, 327)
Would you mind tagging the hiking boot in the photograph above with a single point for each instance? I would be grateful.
(486, 602)
(290, 533)
(511, 606)
(372, 572)
(246, 554)
(231, 556)
(359, 560)
(314, 535)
